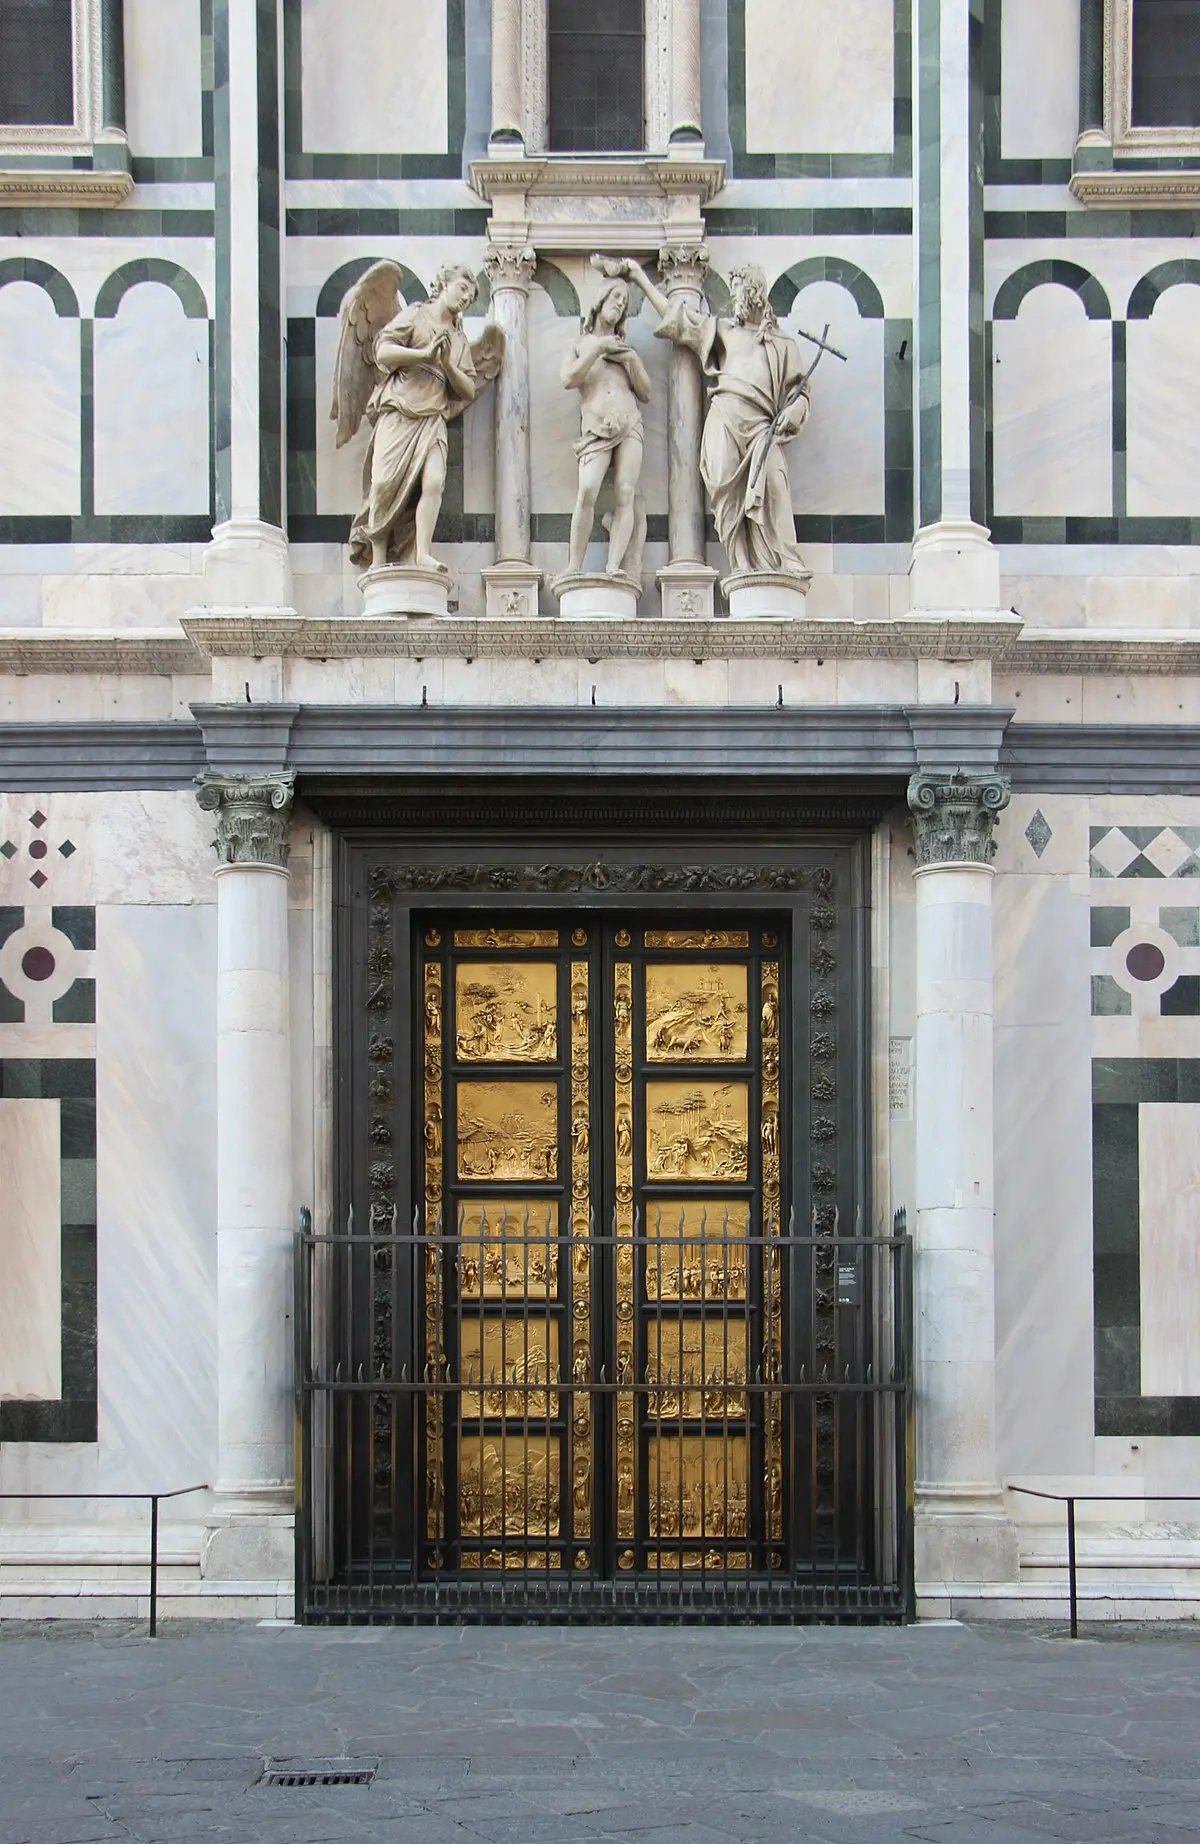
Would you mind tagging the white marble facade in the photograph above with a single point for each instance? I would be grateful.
(810, 192)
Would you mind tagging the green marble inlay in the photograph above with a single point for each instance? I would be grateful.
(1108, 921)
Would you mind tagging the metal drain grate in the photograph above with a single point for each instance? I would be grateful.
(324, 1773)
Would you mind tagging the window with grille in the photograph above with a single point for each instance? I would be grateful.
(1166, 64)
(36, 63)
(597, 63)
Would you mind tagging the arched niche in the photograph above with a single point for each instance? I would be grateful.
(837, 462)
(152, 396)
(1162, 336)
(40, 420)
(1051, 386)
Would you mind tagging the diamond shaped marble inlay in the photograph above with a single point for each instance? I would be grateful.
(1038, 833)
(8, 849)
(1114, 853)
(38, 818)
(1167, 852)
(38, 879)
(67, 850)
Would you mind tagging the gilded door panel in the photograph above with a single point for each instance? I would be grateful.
(508, 1246)
(695, 1014)
(507, 1130)
(506, 1012)
(698, 1130)
(699, 1366)
(696, 1249)
(508, 1485)
(698, 1487)
(511, 1361)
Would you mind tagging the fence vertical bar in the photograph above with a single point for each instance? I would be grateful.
(154, 1566)
(1072, 1568)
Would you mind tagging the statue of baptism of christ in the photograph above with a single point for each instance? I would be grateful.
(613, 384)
(759, 401)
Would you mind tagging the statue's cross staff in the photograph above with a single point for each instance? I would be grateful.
(768, 439)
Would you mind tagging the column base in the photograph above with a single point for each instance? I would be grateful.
(767, 595)
(595, 596)
(954, 565)
(688, 592)
(250, 1537)
(964, 1536)
(512, 591)
(405, 589)
(248, 565)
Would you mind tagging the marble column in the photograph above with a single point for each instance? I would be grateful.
(962, 1532)
(512, 582)
(249, 1535)
(687, 583)
(954, 564)
(248, 564)
(685, 76)
(508, 103)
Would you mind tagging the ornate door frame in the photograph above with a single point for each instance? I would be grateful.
(752, 861)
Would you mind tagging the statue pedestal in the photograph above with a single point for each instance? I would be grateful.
(404, 589)
(596, 597)
(688, 592)
(766, 595)
(512, 591)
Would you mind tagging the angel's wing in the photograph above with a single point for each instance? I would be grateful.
(487, 352)
(370, 305)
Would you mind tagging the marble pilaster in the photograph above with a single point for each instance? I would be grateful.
(962, 1533)
(687, 583)
(248, 563)
(953, 565)
(512, 582)
(249, 1534)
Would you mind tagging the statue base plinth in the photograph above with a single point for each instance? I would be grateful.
(405, 589)
(766, 595)
(512, 591)
(599, 597)
(688, 592)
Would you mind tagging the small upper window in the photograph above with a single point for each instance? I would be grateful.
(597, 64)
(1166, 64)
(37, 82)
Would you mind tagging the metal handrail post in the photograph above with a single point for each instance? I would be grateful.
(1072, 1569)
(154, 1566)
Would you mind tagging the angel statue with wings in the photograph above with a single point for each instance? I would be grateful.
(408, 370)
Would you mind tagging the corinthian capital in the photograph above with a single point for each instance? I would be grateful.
(954, 816)
(510, 268)
(683, 265)
(252, 812)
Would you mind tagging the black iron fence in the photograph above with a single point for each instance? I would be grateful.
(474, 1443)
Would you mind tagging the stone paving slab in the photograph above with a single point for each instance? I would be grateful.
(927, 1735)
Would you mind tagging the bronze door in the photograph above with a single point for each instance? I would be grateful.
(601, 1313)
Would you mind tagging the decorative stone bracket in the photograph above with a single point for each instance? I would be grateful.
(954, 816)
(253, 813)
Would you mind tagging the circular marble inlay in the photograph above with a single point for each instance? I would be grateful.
(38, 964)
(1145, 961)
(38, 849)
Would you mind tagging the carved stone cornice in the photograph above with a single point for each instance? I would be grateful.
(510, 268)
(954, 817)
(575, 175)
(683, 266)
(83, 189)
(1173, 190)
(253, 812)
